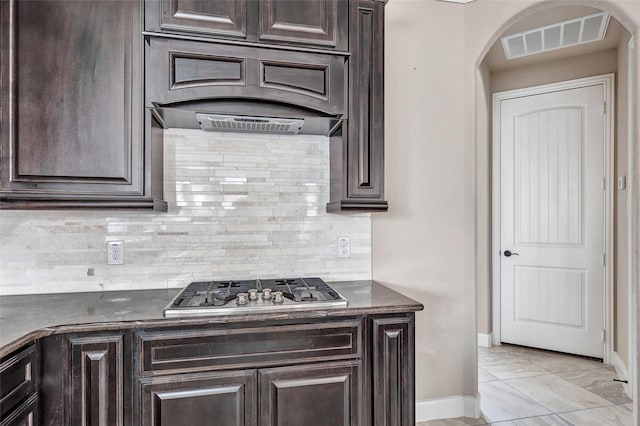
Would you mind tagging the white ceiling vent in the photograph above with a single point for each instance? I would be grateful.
(556, 36)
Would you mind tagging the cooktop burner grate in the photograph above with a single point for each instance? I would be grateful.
(226, 297)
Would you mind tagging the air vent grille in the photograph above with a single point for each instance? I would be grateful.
(551, 37)
(231, 123)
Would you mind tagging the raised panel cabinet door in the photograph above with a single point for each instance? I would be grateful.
(96, 387)
(24, 415)
(357, 147)
(71, 117)
(365, 172)
(393, 384)
(321, 23)
(17, 375)
(223, 18)
(223, 399)
(311, 395)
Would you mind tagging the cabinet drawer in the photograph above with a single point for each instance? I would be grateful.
(181, 71)
(16, 379)
(209, 349)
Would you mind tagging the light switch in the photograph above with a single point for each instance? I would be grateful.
(622, 182)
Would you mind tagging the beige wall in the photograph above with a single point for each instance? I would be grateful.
(425, 245)
(621, 281)
(422, 235)
(598, 63)
(483, 211)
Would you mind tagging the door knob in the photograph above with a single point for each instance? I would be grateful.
(509, 253)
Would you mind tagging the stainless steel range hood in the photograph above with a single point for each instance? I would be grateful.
(244, 116)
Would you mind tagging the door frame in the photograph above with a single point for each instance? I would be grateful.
(607, 81)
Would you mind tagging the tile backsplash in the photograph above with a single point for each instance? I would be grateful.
(240, 206)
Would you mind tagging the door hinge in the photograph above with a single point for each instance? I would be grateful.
(604, 108)
(604, 183)
(604, 260)
(603, 335)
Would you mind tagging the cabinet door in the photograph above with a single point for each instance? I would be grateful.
(393, 371)
(225, 18)
(18, 391)
(223, 399)
(322, 23)
(310, 395)
(71, 117)
(357, 152)
(24, 415)
(96, 380)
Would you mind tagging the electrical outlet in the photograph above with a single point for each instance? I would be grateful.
(115, 252)
(344, 246)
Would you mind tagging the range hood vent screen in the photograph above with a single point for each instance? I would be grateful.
(233, 123)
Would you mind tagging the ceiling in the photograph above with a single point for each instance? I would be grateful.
(495, 58)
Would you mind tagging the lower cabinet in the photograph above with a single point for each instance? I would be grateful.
(220, 398)
(318, 394)
(355, 371)
(393, 371)
(25, 415)
(96, 388)
(18, 388)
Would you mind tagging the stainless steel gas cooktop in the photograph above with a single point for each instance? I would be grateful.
(247, 296)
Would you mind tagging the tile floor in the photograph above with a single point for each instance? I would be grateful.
(529, 387)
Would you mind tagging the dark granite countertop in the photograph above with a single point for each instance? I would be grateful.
(26, 318)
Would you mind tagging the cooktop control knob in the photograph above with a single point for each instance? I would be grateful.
(253, 294)
(242, 298)
(266, 293)
(278, 297)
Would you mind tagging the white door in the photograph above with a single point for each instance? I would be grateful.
(552, 220)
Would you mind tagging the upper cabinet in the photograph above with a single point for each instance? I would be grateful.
(215, 18)
(357, 147)
(88, 86)
(320, 24)
(72, 108)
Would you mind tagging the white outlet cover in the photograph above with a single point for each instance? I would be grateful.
(115, 252)
(344, 247)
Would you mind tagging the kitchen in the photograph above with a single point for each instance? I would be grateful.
(422, 247)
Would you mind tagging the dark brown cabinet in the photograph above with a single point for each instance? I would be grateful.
(320, 24)
(277, 373)
(72, 107)
(393, 371)
(354, 370)
(96, 387)
(317, 394)
(222, 18)
(229, 398)
(181, 71)
(357, 147)
(18, 388)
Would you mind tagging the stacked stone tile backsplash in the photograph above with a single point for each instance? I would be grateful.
(240, 206)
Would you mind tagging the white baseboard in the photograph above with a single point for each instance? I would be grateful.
(622, 371)
(484, 340)
(447, 408)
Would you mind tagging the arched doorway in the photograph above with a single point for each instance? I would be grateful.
(485, 251)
